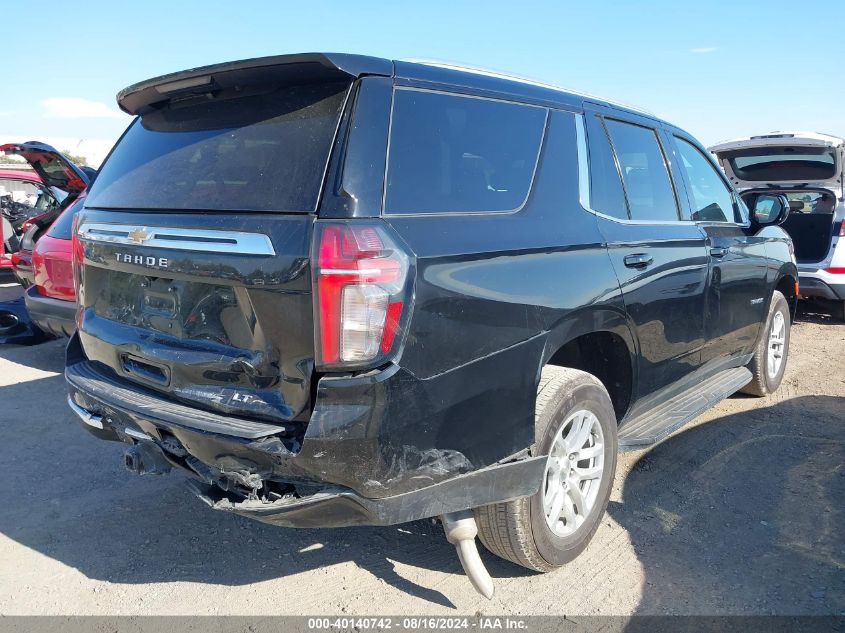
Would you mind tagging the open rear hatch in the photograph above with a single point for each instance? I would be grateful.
(55, 169)
(196, 236)
(804, 166)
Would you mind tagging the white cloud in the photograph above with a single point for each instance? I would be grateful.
(703, 50)
(76, 108)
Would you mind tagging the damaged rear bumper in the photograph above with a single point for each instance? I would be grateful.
(343, 508)
(344, 470)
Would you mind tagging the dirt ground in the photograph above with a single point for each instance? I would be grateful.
(739, 512)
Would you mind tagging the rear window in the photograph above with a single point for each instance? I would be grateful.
(771, 164)
(457, 154)
(261, 152)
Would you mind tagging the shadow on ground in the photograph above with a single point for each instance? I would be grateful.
(740, 514)
(743, 514)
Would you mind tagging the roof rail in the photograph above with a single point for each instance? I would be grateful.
(518, 78)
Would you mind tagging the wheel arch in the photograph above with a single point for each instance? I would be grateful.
(600, 342)
(786, 282)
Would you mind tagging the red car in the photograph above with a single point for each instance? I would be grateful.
(43, 261)
(51, 299)
(21, 184)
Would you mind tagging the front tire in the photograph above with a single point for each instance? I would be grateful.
(575, 427)
(769, 361)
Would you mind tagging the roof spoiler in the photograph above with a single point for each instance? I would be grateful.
(282, 68)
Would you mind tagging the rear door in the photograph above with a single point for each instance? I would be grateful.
(196, 238)
(660, 260)
(736, 285)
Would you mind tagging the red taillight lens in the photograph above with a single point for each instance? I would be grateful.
(76, 256)
(361, 276)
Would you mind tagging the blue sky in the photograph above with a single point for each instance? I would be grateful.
(718, 69)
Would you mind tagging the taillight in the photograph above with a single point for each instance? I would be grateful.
(76, 257)
(361, 277)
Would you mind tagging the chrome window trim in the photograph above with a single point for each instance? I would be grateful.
(171, 238)
(584, 180)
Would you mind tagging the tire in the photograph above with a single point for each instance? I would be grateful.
(838, 310)
(518, 530)
(764, 382)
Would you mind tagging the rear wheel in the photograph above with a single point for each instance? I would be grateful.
(769, 361)
(576, 430)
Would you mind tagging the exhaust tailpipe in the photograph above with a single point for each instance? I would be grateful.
(461, 530)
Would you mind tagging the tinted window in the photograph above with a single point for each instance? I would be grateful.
(710, 197)
(606, 194)
(459, 154)
(647, 184)
(770, 164)
(262, 152)
(62, 228)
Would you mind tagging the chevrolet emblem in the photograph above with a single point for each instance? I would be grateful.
(139, 236)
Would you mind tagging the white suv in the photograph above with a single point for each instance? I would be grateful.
(809, 169)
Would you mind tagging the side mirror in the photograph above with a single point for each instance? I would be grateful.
(770, 209)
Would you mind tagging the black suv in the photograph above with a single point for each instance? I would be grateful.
(338, 290)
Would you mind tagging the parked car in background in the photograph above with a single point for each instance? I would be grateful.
(809, 169)
(51, 299)
(53, 185)
(21, 195)
(338, 290)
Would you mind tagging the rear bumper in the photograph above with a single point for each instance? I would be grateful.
(343, 508)
(339, 473)
(51, 315)
(818, 287)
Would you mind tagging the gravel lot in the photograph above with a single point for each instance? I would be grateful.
(739, 512)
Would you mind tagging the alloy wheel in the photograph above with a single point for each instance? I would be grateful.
(574, 472)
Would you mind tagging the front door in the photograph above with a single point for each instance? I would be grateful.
(736, 297)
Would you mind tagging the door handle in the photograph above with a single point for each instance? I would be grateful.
(718, 251)
(638, 260)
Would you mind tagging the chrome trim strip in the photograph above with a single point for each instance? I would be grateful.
(583, 162)
(86, 416)
(138, 435)
(198, 240)
(584, 181)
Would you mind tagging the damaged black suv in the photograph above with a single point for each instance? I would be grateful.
(338, 290)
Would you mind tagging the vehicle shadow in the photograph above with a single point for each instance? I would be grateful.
(739, 514)
(743, 514)
(815, 311)
(67, 496)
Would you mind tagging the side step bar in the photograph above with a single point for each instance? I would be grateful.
(658, 423)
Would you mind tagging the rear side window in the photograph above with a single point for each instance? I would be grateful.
(456, 154)
(710, 198)
(647, 185)
(266, 151)
(606, 194)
